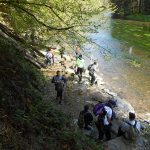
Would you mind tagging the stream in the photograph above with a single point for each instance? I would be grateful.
(124, 61)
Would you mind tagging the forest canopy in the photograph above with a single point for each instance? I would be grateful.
(57, 21)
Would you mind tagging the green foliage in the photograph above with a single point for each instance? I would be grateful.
(54, 20)
(139, 17)
(17, 76)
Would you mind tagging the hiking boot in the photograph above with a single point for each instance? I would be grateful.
(87, 128)
(60, 102)
(91, 84)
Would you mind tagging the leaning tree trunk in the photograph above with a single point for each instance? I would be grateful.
(13, 35)
(6, 33)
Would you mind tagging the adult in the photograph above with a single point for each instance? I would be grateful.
(104, 121)
(49, 56)
(59, 82)
(124, 128)
(62, 52)
(85, 118)
(80, 64)
(52, 48)
(78, 52)
(92, 70)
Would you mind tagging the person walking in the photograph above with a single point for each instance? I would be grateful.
(85, 119)
(80, 64)
(50, 56)
(92, 70)
(62, 52)
(59, 82)
(77, 52)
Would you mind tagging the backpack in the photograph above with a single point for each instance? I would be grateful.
(81, 119)
(90, 67)
(132, 132)
(98, 108)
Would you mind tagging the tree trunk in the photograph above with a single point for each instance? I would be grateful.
(13, 35)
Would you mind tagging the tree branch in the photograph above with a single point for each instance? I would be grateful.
(14, 4)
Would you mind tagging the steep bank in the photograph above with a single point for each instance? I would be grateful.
(27, 120)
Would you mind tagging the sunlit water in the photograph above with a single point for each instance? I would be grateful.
(126, 70)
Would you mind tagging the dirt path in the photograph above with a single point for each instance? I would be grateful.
(73, 101)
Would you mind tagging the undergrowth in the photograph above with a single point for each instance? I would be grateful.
(26, 120)
(139, 17)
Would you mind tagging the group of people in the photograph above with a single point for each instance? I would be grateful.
(104, 114)
(80, 68)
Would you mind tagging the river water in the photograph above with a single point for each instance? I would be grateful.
(125, 65)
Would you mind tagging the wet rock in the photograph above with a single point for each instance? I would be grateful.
(123, 108)
(121, 143)
(110, 93)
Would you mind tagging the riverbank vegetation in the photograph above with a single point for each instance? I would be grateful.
(139, 17)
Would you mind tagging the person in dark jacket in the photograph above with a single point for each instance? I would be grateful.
(87, 118)
(59, 82)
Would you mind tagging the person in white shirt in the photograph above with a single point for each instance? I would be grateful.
(92, 69)
(80, 64)
(49, 56)
(104, 122)
(108, 115)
